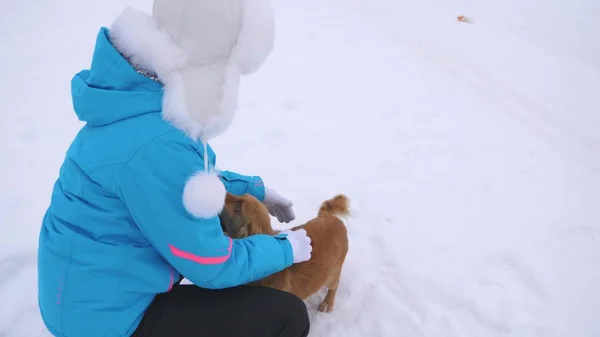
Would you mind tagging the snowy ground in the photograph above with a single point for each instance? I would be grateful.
(471, 153)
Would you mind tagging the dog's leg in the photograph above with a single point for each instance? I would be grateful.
(332, 285)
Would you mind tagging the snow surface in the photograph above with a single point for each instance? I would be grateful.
(470, 152)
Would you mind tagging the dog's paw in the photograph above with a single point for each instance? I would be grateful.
(325, 307)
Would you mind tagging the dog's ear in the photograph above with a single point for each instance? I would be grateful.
(230, 224)
(230, 221)
(232, 228)
(261, 221)
(230, 198)
(222, 220)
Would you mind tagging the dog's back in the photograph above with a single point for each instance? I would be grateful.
(329, 239)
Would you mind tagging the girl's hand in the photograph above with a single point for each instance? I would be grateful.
(279, 206)
(301, 244)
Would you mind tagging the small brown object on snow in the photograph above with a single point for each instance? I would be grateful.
(462, 18)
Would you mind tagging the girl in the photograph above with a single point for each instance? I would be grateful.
(136, 203)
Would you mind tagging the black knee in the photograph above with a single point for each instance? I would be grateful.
(298, 323)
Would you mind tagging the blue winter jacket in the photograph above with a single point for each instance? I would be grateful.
(116, 232)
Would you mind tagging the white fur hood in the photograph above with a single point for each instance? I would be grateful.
(198, 49)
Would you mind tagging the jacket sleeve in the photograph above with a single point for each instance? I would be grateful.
(238, 184)
(151, 185)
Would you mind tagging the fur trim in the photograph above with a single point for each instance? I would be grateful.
(257, 35)
(146, 45)
(200, 95)
(204, 195)
(149, 47)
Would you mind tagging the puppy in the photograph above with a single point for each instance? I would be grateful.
(245, 215)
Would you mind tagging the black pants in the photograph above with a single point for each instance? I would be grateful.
(245, 311)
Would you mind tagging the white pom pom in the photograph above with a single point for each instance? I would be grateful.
(204, 195)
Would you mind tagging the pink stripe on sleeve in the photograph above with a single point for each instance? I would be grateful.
(200, 259)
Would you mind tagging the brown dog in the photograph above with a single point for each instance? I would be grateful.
(245, 215)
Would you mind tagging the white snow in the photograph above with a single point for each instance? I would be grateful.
(470, 152)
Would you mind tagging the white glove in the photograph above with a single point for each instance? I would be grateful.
(279, 206)
(300, 244)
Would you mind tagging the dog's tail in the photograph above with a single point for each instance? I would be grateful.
(337, 206)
